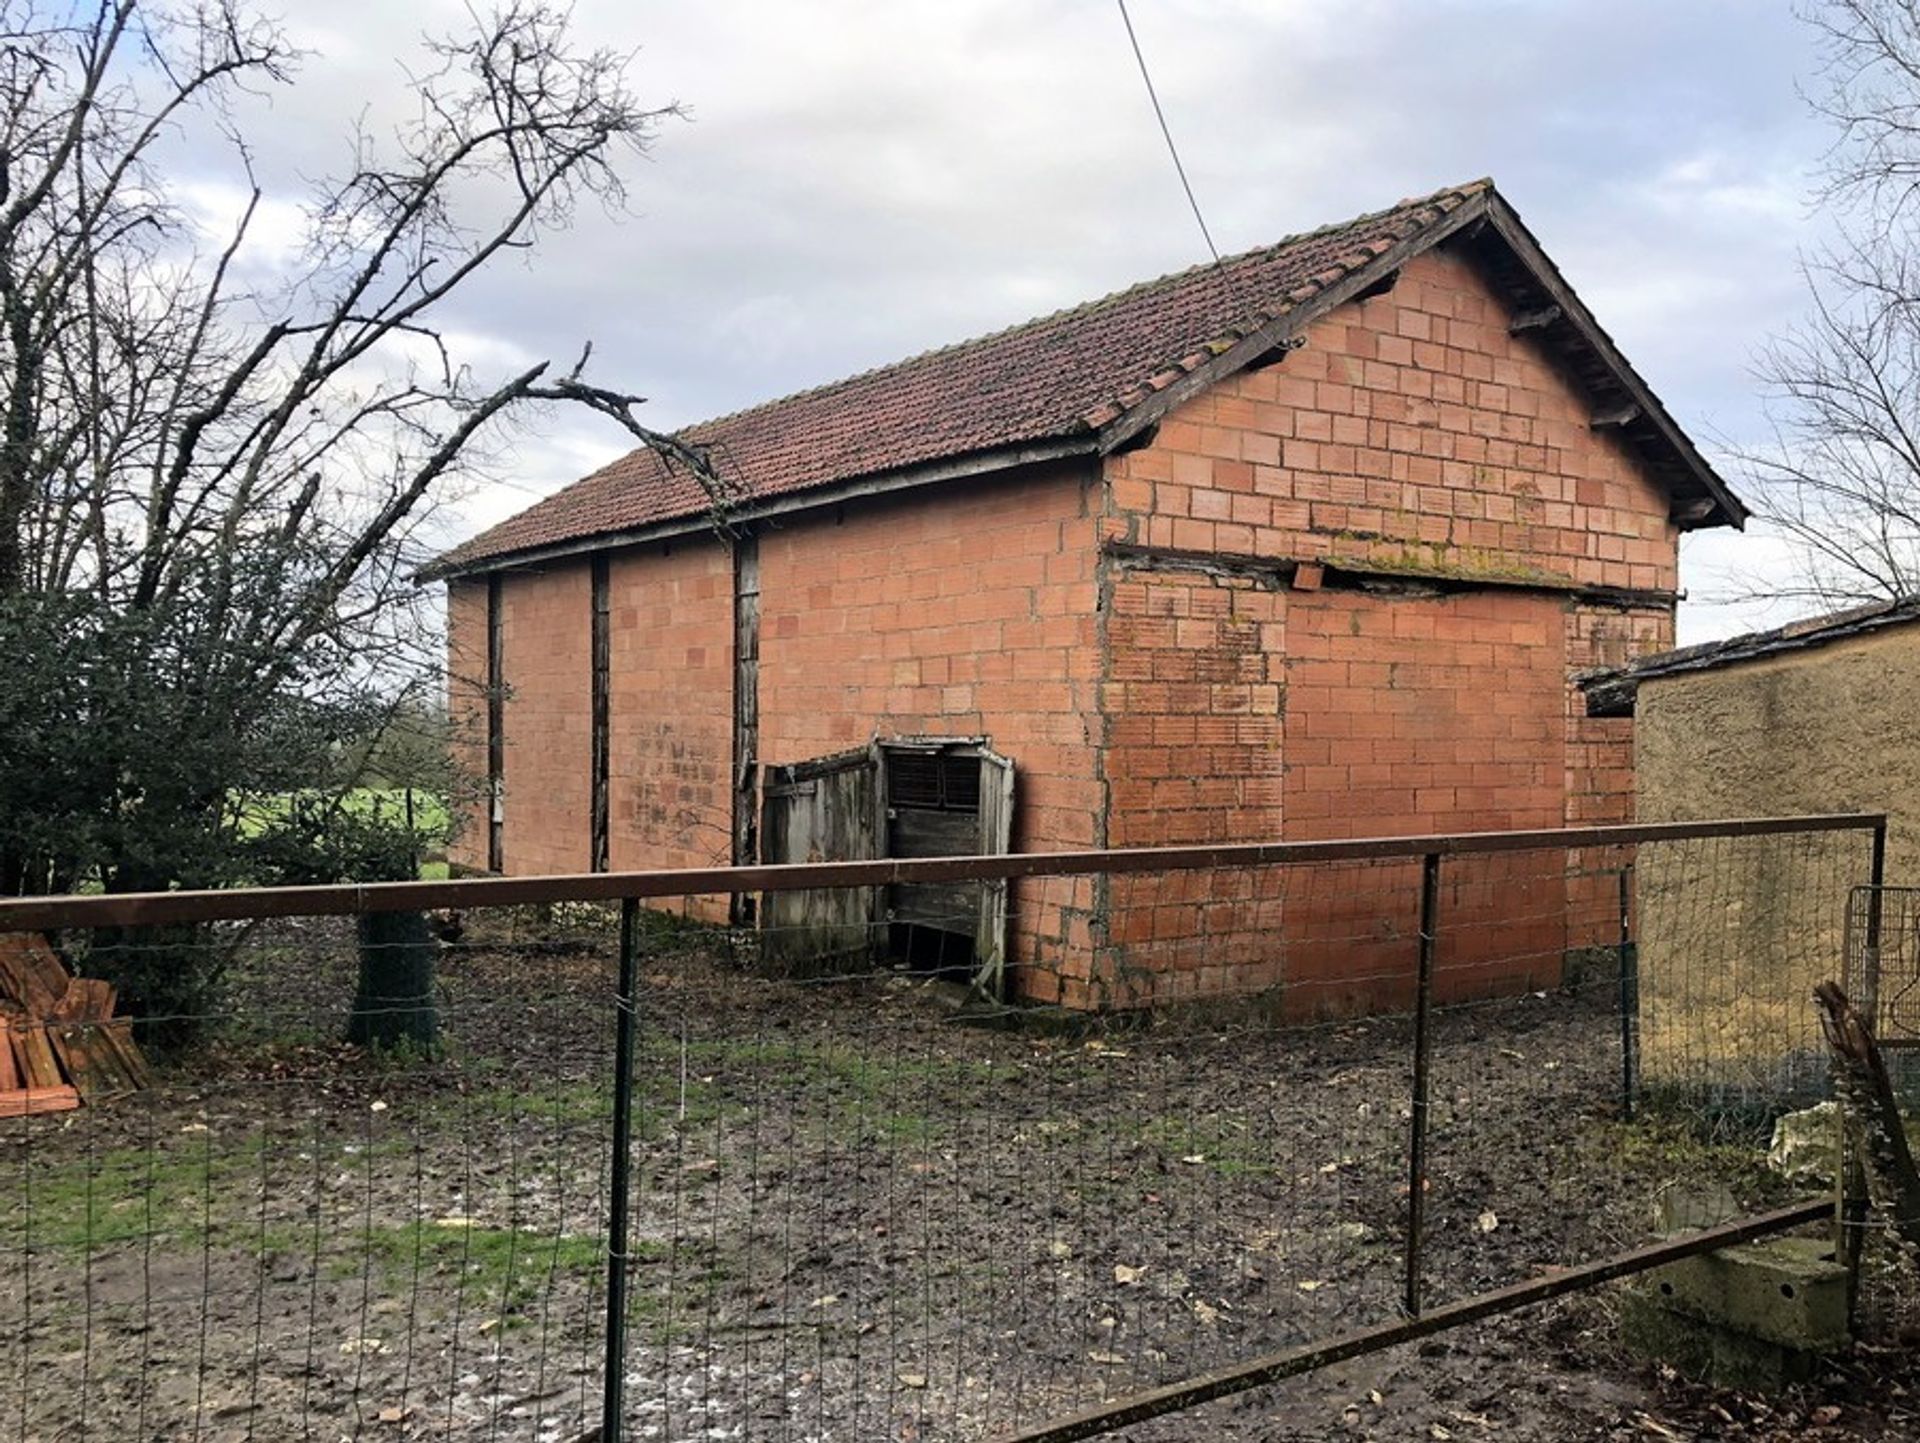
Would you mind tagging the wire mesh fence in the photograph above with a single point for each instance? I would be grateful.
(871, 1202)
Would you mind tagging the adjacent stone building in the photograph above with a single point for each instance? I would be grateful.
(1817, 717)
(1304, 545)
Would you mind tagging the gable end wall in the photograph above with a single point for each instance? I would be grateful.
(1411, 434)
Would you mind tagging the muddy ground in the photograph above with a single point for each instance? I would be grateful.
(855, 1216)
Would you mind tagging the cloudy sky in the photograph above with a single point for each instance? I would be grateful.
(859, 181)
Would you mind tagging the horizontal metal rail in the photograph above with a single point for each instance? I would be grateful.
(133, 909)
(1292, 1362)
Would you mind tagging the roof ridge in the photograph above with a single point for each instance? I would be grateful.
(1410, 203)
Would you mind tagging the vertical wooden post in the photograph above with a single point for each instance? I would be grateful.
(746, 718)
(496, 727)
(601, 637)
(1422, 1080)
(1852, 1204)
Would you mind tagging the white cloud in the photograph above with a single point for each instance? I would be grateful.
(860, 182)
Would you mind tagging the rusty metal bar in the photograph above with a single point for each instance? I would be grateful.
(1422, 1080)
(620, 1182)
(1876, 911)
(245, 903)
(1291, 1362)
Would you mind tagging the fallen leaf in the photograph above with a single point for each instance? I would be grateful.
(1194, 1158)
(1125, 1276)
(1109, 1359)
(1310, 1285)
(912, 1380)
(1205, 1311)
(1488, 1221)
(1439, 1432)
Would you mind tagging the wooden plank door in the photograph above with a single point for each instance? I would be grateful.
(824, 810)
(996, 839)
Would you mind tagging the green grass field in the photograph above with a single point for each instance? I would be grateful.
(430, 816)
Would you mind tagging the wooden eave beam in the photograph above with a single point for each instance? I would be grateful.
(1534, 320)
(1546, 281)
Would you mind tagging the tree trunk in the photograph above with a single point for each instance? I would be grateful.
(393, 1005)
(1872, 1116)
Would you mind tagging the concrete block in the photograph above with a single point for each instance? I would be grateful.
(1758, 1316)
(1709, 1352)
(1784, 1290)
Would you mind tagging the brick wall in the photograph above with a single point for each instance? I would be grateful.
(670, 707)
(1411, 430)
(971, 612)
(546, 657)
(968, 613)
(467, 716)
(1148, 703)
(1414, 437)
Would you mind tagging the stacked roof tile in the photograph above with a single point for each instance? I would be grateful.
(1066, 374)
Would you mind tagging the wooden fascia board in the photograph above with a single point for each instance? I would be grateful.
(1285, 327)
(958, 468)
(1344, 573)
(1520, 241)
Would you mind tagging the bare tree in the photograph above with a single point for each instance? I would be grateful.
(1840, 476)
(213, 487)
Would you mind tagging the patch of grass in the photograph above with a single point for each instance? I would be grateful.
(429, 811)
(1221, 1144)
(495, 1269)
(129, 1194)
(1665, 1148)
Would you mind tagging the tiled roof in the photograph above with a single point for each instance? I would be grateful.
(1067, 374)
(1612, 692)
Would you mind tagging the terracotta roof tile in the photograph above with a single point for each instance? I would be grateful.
(1065, 374)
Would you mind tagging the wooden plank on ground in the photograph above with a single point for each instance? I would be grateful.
(38, 1066)
(92, 1063)
(29, 1100)
(9, 1069)
(118, 1037)
(87, 999)
(30, 974)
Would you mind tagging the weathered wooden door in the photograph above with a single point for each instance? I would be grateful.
(950, 797)
(824, 810)
(996, 838)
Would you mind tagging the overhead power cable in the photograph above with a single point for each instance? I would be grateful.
(1165, 130)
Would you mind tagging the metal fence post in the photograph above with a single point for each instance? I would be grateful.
(1869, 1003)
(613, 1397)
(1422, 1050)
(1629, 998)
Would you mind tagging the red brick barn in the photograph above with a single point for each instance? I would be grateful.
(1305, 545)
